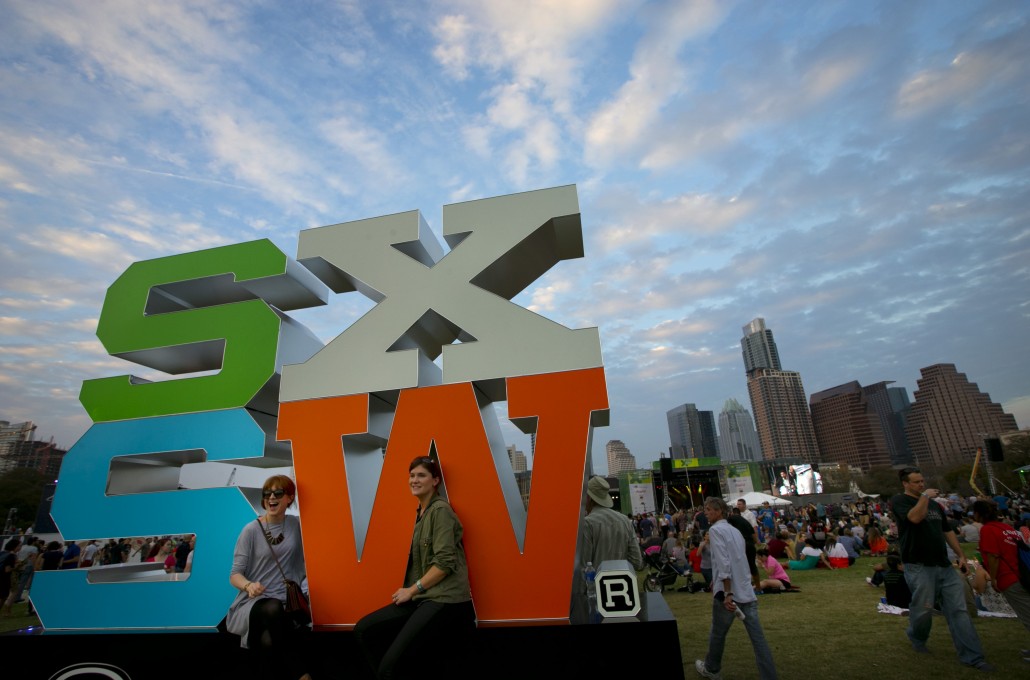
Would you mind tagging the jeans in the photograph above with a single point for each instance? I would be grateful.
(721, 622)
(927, 585)
(1019, 600)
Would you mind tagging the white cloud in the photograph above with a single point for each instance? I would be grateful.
(656, 76)
(687, 214)
(453, 33)
(91, 247)
(365, 144)
(531, 49)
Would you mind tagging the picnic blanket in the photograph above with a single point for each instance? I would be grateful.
(885, 608)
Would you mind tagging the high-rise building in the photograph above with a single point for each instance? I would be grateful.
(691, 432)
(892, 406)
(848, 428)
(518, 459)
(679, 431)
(19, 449)
(758, 347)
(951, 417)
(777, 399)
(14, 432)
(619, 458)
(738, 440)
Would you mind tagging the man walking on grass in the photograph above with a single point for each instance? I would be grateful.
(924, 534)
(734, 596)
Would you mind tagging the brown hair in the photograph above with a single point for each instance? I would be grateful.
(283, 482)
(431, 466)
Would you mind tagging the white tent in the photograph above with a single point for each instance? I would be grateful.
(756, 498)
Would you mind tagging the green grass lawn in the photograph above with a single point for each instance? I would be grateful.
(20, 618)
(830, 629)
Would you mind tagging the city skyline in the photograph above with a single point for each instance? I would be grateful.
(854, 174)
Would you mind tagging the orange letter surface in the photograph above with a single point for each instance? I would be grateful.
(344, 588)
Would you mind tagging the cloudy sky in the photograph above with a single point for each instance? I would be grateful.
(856, 173)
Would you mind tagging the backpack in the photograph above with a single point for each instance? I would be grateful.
(1023, 564)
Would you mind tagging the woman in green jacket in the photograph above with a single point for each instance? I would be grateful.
(435, 602)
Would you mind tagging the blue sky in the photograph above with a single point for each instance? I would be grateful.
(856, 173)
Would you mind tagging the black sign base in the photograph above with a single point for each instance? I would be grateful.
(577, 649)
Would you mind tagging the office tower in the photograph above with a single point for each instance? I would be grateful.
(900, 407)
(44, 457)
(679, 431)
(518, 459)
(692, 432)
(777, 399)
(848, 427)
(951, 417)
(619, 458)
(758, 347)
(13, 438)
(709, 435)
(738, 440)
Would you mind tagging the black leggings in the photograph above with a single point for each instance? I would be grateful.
(392, 637)
(280, 649)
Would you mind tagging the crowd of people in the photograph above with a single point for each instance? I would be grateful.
(23, 555)
(739, 552)
(918, 532)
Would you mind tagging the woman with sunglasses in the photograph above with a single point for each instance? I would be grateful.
(257, 614)
(435, 602)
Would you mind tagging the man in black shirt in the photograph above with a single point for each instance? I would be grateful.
(924, 535)
(748, 532)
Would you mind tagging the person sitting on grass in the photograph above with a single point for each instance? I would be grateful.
(877, 543)
(778, 545)
(850, 543)
(892, 575)
(811, 557)
(836, 553)
(986, 597)
(776, 579)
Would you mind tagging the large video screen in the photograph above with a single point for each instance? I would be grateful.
(799, 480)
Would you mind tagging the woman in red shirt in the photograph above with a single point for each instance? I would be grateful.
(1000, 555)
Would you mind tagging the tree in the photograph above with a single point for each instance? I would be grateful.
(836, 479)
(880, 480)
(956, 479)
(22, 490)
(1017, 454)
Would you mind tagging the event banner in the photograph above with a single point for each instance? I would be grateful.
(419, 373)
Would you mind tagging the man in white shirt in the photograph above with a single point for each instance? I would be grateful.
(734, 596)
(969, 532)
(89, 554)
(748, 515)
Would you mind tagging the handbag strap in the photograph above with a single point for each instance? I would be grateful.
(268, 540)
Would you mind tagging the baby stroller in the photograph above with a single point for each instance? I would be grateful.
(661, 574)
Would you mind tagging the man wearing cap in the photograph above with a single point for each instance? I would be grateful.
(607, 534)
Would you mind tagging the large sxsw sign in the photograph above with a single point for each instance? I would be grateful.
(421, 371)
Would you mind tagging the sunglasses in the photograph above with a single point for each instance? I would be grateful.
(278, 493)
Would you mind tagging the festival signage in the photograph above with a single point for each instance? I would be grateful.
(421, 372)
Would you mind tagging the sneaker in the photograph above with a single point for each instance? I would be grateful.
(869, 580)
(699, 666)
(983, 666)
